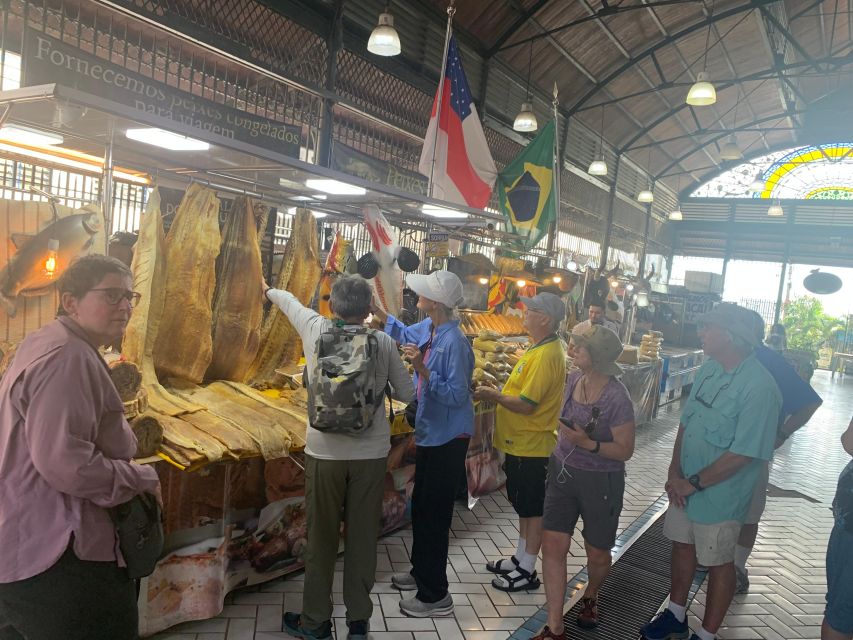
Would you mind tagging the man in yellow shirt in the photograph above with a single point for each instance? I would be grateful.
(526, 431)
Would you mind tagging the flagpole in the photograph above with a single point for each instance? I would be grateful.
(555, 224)
(440, 97)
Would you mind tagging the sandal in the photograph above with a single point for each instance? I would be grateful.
(503, 565)
(518, 580)
(547, 634)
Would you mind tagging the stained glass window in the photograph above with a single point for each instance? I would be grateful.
(820, 172)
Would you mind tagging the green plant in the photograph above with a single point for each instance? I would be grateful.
(807, 326)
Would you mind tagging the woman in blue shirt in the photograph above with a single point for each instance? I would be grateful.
(443, 362)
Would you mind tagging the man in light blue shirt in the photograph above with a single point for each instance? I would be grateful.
(727, 432)
(444, 362)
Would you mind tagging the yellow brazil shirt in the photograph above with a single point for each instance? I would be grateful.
(539, 378)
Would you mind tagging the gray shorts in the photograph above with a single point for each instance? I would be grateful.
(595, 496)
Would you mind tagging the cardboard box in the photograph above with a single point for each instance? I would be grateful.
(703, 282)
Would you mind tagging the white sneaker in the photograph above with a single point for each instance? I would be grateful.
(742, 580)
(415, 608)
(404, 582)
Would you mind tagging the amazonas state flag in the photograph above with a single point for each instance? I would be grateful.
(526, 189)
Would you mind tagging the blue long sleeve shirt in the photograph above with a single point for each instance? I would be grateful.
(445, 406)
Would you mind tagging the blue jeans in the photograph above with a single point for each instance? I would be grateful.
(839, 580)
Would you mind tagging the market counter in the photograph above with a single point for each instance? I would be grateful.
(236, 523)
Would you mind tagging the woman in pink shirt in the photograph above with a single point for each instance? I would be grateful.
(65, 459)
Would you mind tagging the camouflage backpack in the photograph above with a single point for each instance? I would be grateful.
(342, 397)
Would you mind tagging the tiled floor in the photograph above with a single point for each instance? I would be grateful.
(786, 569)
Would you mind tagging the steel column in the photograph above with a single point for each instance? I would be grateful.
(605, 246)
(335, 42)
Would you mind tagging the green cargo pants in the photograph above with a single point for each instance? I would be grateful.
(336, 489)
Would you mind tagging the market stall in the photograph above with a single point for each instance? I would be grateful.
(214, 410)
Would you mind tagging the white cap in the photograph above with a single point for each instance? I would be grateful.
(440, 286)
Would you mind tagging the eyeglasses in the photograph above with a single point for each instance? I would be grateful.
(709, 405)
(114, 295)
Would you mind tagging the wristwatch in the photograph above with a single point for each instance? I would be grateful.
(694, 480)
(597, 447)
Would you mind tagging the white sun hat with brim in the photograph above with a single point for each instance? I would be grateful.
(441, 286)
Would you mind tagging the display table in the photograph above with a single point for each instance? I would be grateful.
(237, 523)
(679, 371)
(643, 383)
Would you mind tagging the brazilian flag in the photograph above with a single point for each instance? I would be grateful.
(526, 189)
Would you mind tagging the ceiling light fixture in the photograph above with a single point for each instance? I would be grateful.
(318, 214)
(521, 283)
(557, 279)
(166, 139)
(525, 121)
(629, 287)
(730, 150)
(645, 195)
(572, 265)
(776, 210)
(676, 214)
(442, 212)
(598, 167)
(334, 187)
(384, 40)
(484, 281)
(758, 185)
(29, 136)
(642, 299)
(702, 93)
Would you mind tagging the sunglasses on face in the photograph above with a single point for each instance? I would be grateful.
(702, 401)
(114, 295)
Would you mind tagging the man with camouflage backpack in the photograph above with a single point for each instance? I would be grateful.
(348, 370)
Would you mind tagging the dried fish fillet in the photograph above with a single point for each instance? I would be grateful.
(149, 279)
(184, 346)
(300, 274)
(237, 304)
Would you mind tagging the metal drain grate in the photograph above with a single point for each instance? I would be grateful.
(633, 592)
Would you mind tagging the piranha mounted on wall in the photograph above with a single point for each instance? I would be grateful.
(40, 259)
(384, 265)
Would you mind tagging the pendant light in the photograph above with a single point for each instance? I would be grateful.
(598, 167)
(675, 215)
(730, 150)
(647, 195)
(702, 93)
(384, 41)
(525, 121)
(758, 185)
(776, 210)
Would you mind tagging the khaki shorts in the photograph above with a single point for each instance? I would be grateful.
(759, 496)
(715, 543)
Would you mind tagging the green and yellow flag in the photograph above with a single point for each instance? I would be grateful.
(526, 189)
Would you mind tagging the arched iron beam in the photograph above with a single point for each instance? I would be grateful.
(835, 62)
(726, 166)
(514, 27)
(723, 15)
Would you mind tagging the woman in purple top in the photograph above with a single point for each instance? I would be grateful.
(65, 459)
(586, 473)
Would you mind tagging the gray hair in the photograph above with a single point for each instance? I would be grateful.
(741, 346)
(351, 297)
(450, 311)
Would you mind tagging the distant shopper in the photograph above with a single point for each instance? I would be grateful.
(596, 315)
(65, 459)
(838, 615)
(444, 362)
(586, 474)
(344, 471)
(727, 432)
(799, 403)
(777, 340)
(526, 431)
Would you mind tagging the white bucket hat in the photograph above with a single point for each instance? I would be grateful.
(441, 286)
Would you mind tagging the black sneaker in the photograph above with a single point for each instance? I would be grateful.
(358, 630)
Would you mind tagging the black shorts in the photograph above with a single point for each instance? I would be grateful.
(525, 484)
(595, 496)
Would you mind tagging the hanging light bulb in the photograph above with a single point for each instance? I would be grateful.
(676, 214)
(50, 262)
(614, 283)
(776, 210)
(484, 281)
(629, 287)
(384, 41)
(730, 150)
(572, 265)
(702, 93)
(520, 283)
(525, 121)
(557, 279)
(758, 185)
(645, 196)
(597, 168)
